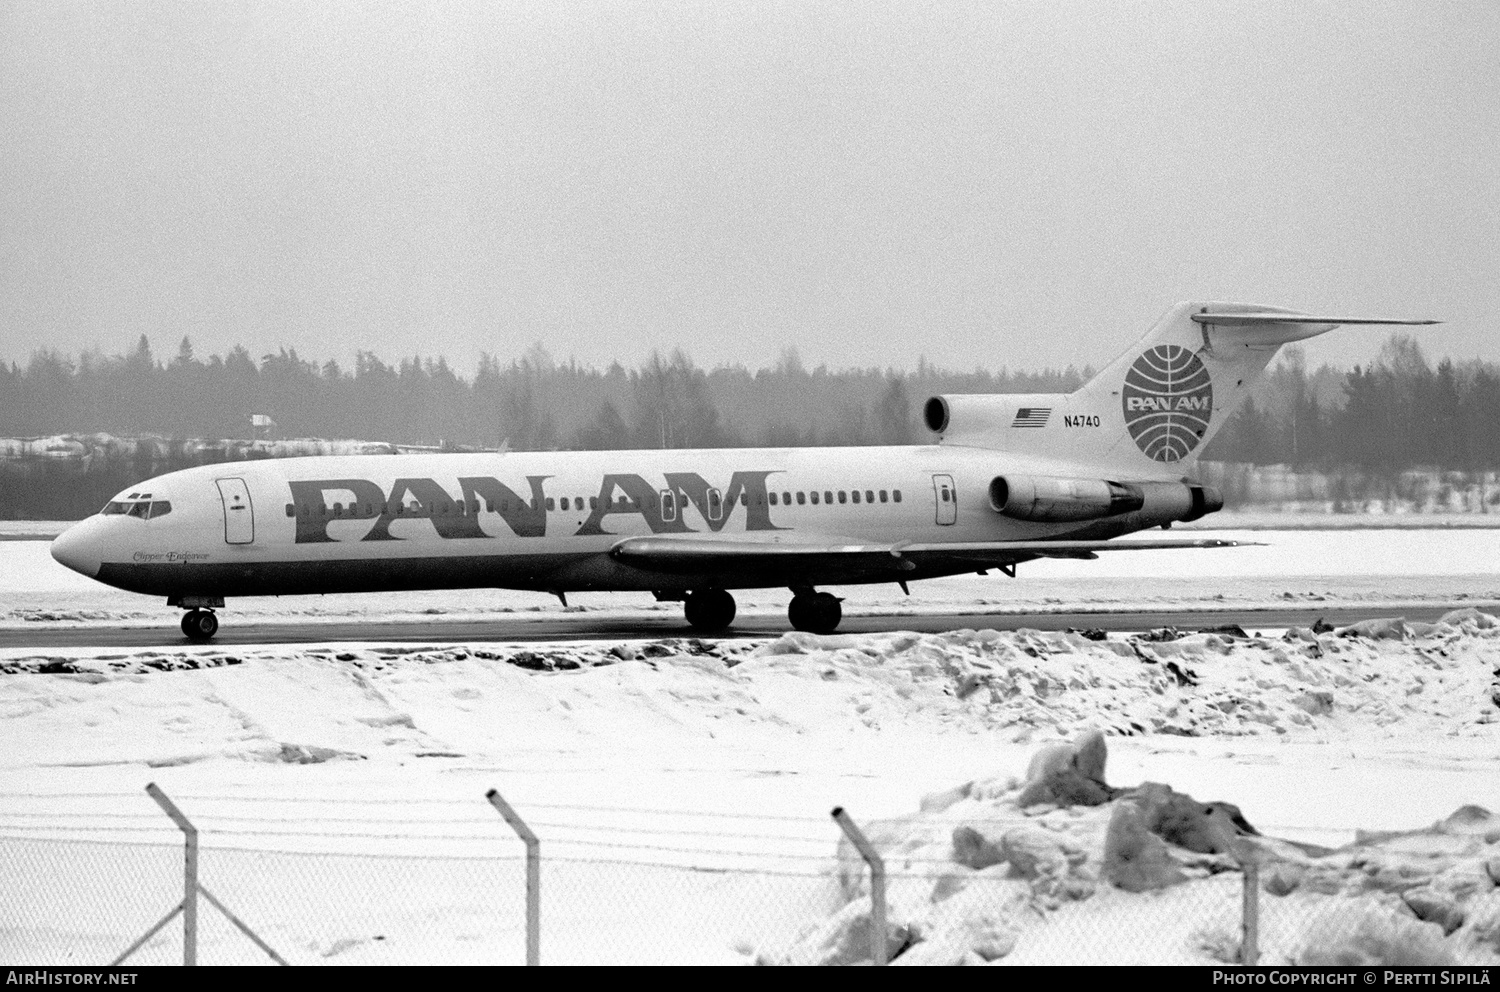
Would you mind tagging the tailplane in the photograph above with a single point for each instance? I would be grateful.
(1151, 410)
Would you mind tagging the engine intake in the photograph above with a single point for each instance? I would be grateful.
(936, 414)
(1045, 499)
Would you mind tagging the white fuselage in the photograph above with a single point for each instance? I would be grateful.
(546, 520)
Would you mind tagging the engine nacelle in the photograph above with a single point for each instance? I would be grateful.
(971, 416)
(1047, 499)
(1050, 499)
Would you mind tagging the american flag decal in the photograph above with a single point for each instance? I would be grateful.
(1032, 416)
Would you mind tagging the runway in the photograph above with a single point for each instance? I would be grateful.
(569, 627)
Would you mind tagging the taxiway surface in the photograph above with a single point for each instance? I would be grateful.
(569, 627)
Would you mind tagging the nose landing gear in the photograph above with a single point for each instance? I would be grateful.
(815, 612)
(200, 625)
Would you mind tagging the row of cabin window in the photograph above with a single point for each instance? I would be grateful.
(844, 496)
(667, 506)
(715, 510)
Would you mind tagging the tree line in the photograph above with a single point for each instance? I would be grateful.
(1399, 411)
(1396, 413)
(533, 402)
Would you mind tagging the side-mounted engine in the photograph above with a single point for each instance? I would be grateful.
(1050, 499)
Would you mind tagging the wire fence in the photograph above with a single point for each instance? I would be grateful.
(84, 902)
(446, 882)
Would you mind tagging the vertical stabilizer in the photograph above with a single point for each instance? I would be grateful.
(1151, 410)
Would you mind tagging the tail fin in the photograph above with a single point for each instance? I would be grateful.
(1150, 411)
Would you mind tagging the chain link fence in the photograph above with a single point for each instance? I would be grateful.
(635, 886)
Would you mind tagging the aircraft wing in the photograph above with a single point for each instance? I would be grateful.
(1251, 319)
(696, 553)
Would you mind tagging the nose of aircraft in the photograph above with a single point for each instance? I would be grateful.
(76, 548)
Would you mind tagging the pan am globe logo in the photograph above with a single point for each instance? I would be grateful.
(1168, 399)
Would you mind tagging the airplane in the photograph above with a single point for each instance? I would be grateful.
(1011, 478)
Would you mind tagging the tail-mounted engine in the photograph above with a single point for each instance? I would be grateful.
(1049, 499)
(966, 416)
(1203, 501)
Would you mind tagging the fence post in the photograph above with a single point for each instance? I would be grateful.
(533, 875)
(189, 873)
(1248, 854)
(190, 889)
(877, 882)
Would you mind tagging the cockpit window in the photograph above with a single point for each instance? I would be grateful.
(145, 509)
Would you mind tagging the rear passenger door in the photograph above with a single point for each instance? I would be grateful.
(945, 498)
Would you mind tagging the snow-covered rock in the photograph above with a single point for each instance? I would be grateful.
(844, 938)
(1016, 871)
(1135, 859)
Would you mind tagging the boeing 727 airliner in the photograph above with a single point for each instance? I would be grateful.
(1012, 478)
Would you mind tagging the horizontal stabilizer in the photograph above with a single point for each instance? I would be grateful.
(1249, 319)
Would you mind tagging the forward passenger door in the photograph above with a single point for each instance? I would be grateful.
(239, 516)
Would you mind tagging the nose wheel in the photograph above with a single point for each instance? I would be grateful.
(815, 612)
(200, 625)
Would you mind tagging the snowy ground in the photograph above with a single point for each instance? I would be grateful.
(682, 788)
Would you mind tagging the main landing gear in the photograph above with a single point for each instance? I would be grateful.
(712, 610)
(709, 610)
(200, 625)
(815, 612)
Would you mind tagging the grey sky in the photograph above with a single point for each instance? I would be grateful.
(998, 183)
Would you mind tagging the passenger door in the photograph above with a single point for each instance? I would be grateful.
(239, 516)
(945, 498)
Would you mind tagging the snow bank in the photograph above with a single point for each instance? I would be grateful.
(1021, 685)
(1030, 682)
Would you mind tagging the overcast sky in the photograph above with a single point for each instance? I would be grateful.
(1025, 183)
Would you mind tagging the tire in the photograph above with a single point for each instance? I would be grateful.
(200, 625)
(827, 613)
(709, 611)
(799, 613)
(819, 613)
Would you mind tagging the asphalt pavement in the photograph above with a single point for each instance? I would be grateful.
(567, 627)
